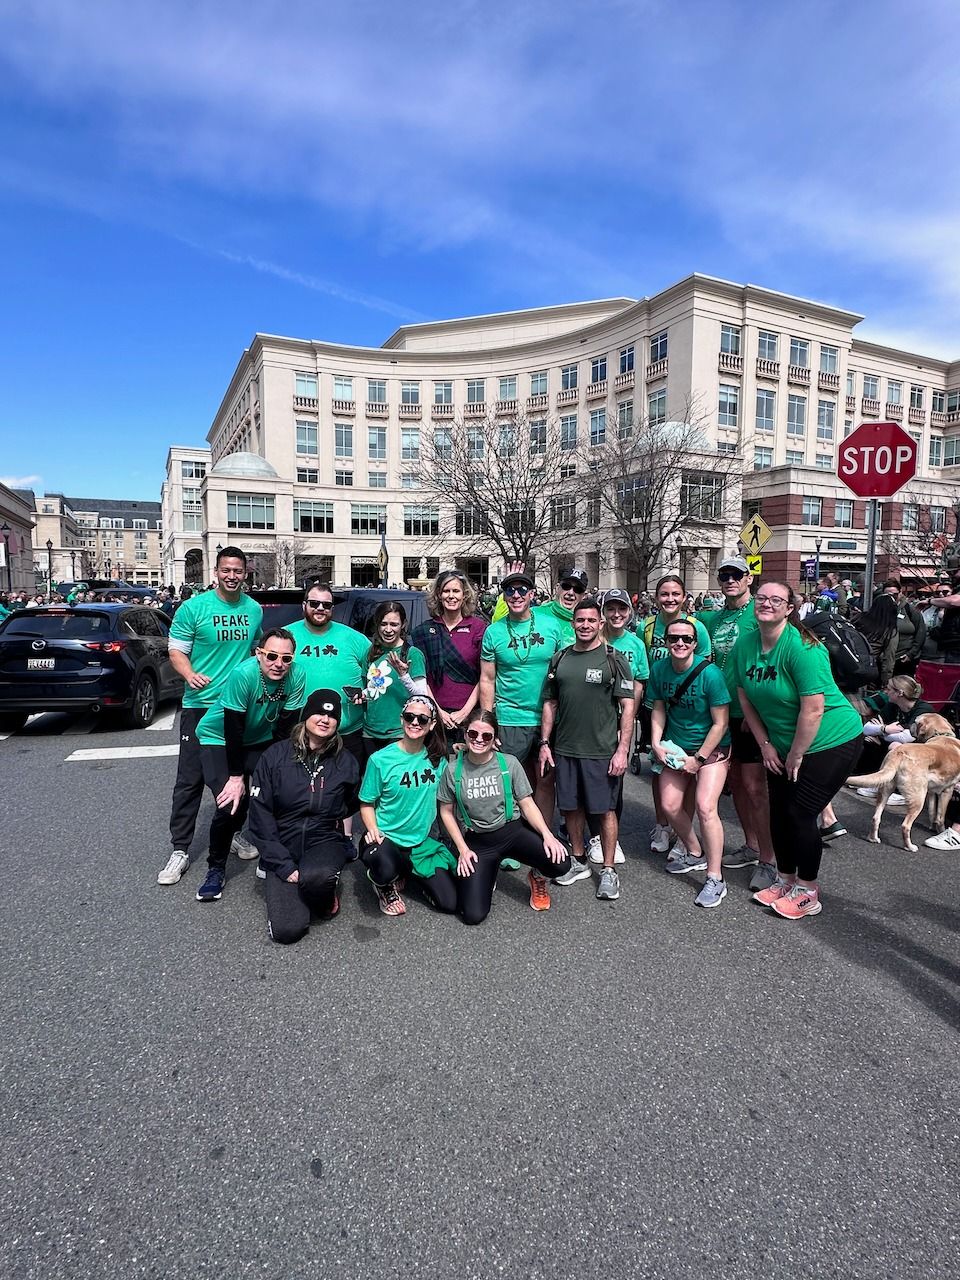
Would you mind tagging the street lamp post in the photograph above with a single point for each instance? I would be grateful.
(73, 567)
(818, 543)
(50, 566)
(5, 531)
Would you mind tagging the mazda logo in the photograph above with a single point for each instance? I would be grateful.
(38, 644)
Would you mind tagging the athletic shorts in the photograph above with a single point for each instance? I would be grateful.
(520, 740)
(586, 785)
(744, 747)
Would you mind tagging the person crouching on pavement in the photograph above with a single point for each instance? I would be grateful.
(301, 791)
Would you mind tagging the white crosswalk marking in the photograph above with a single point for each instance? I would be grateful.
(121, 753)
(165, 721)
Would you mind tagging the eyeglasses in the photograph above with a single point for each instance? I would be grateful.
(285, 658)
(944, 593)
(475, 736)
(681, 639)
(774, 600)
(573, 586)
(411, 717)
(516, 591)
(730, 575)
(320, 604)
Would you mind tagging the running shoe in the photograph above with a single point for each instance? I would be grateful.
(799, 902)
(609, 886)
(870, 792)
(895, 798)
(767, 897)
(948, 839)
(712, 893)
(742, 857)
(579, 870)
(677, 850)
(243, 848)
(212, 888)
(764, 875)
(686, 861)
(176, 866)
(833, 832)
(388, 897)
(660, 837)
(595, 852)
(539, 892)
(261, 873)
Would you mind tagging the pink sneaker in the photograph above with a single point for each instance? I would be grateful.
(799, 902)
(767, 897)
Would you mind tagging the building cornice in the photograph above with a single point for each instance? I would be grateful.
(562, 311)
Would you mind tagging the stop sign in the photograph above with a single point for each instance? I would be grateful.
(877, 459)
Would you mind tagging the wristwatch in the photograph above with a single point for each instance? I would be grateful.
(544, 742)
(700, 759)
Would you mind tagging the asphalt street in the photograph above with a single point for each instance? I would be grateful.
(631, 1089)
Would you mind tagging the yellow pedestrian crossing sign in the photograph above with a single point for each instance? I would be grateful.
(755, 535)
(754, 565)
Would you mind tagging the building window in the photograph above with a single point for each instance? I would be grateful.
(193, 470)
(794, 458)
(343, 478)
(538, 435)
(938, 519)
(568, 377)
(916, 397)
(538, 383)
(826, 419)
(825, 461)
(443, 444)
(657, 408)
(598, 369)
(847, 427)
(313, 517)
(342, 388)
(726, 446)
(507, 441)
(366, 518)
(305, 384)
(508, 387)
(729, 407)
(410, 444)
(796, 415)
(307, 439)
(851, 383)
(443, 393)
(799, 353)
(598, 427)
(409, 392)
(936, 451)
(843, 513)
(625, 419)
(766, 410)
(911, 518)
(626, 359)
(470, 521)
(410, 480)
(475, 444)
(476, 390)
(951, 451)
(377, 479)
(894, 392)
(343, 439)
(377, 390)
(730, 339)
(701, 495)
(421, 522)
(938, 401)
(519, 518)
(308, 475)
(377, 444)
(871, 387)
(250, 511)
(563, 513)
(568, 471)
(192, 523)
(829, 359)
(762, 459)
(568, 431)
(812, 510)
(768, 344)
(658, 347)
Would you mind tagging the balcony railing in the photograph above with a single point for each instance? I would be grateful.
(828, 381)
(894, 412)
(729, 363)
(868, 405)
(624, 380)
(767, 368)
(917, 416)
(953, 415)
(570, 396)
(798, 375)
(441, 411)
(597, 390)
(410, 411)
(657, 370)
(538, 401)
(344, 408)
(305, 403)
(476, 409)
(505, 408)
(851, 403)
(377, 409)
(938, 418)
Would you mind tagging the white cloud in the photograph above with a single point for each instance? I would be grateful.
(21, 482)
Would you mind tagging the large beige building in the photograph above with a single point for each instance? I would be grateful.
(96, 538)
(316, 445)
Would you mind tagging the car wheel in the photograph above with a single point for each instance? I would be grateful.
(144, 708)
(11, 721)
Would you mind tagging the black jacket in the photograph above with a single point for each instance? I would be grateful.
(286, 816)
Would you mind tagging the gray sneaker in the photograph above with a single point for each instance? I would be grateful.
(578, 871)
(243, 848)
(764, 876)
(742, 857)
(686, 861)
(609, 886)
(712, 893)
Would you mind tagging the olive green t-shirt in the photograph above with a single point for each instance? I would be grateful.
(522, 653)
(775, 682)
(725, 627)
(386, 693)
(216, 636)
(403, 791)
(332, 660)
(635, 651)
(587, 687)
(481, 791)
(689, 722)
(244, 692)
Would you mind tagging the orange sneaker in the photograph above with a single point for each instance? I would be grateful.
(799, 902)
(539, 892)
(767, 897)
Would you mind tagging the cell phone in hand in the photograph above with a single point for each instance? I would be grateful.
(352, 691)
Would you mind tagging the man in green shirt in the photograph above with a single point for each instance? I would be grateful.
(748, 778)
(211, 634)
(570, 589)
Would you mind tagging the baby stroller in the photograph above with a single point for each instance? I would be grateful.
(941, 688)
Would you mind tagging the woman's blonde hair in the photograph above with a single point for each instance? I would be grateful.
(298, 740)
(907, 687)
(434, 603)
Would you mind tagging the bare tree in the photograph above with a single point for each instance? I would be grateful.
(276, 564)
(920, 549)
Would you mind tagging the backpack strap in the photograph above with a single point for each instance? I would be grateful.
(686, 682)
(507, 787)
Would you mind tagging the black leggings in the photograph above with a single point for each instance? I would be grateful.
(794, 806)
(188, 788)
(224, 825)
(387, 862)
(289, 906)
(514, 840)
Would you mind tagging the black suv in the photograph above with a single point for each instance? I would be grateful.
(353, 606)
(109, 657)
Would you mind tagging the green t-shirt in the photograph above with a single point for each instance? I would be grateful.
(481, 791)
(403, 791)
(522, 653)
(635, 651)
(217, 637)
(689, 722)
(333, 660)
(657, 646)
(386, 693)
(774, 682)
(587, 687)
(244, 692)
(563, 618)
(725, 627)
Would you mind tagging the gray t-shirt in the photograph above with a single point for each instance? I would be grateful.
(481, 791)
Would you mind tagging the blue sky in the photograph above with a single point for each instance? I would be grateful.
(176, 177)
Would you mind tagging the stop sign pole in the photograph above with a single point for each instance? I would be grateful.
(875, 461)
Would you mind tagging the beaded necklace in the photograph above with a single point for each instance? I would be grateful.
(275, 698)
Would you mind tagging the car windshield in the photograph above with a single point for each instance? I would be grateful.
(58, 626)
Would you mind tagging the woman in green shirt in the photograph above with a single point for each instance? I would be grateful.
(395, 671)
(810, 741)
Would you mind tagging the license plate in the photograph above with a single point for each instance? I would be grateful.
(41, 664)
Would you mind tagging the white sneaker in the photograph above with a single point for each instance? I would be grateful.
(678, 850)
(243, 848)
(660, 838)
(595, 852)
(896, 799)
(948, 839)
(867, 791)
(177, 865)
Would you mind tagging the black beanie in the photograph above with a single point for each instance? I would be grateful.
(324, 701)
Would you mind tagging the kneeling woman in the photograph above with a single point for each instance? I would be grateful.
(691, 710)
(398, 807)
(260, 703)
(479, 796)
(301, 790)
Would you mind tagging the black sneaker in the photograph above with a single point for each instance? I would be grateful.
(833, 832)
(212, 888)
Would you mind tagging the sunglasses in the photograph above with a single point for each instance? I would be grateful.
(944, 593)
(285, 658)
(516, 591)
(681, 639)
(475, 736)
(320, 604)
(730, 575)
(412, 717)
(573, 586)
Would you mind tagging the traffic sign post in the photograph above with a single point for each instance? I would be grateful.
(875, 461)
(754, 565)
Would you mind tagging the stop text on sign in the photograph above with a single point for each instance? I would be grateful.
(877, 459)
(880, 459)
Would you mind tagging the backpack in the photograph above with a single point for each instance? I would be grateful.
(851, 659)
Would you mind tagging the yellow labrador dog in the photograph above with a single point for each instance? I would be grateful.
(931, 765)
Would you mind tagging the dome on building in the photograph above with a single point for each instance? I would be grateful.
(248, 466)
